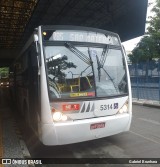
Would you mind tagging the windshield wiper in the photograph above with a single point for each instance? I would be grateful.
(100, 64)
(78, 53)
(104, 56)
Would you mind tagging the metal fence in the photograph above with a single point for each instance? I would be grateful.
(145, 80)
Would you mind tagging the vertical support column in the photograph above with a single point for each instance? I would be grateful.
(147, 81)
(1, 138)
(159, 78)
(137, 81)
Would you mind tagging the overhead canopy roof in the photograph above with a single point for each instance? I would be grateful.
(18, 18)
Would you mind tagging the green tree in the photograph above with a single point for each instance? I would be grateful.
(149, 46)
(154, 28)
(144, 51)
(4, 72)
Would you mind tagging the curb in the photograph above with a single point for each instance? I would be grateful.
(23, 146)
(1, 140)
(147, 104)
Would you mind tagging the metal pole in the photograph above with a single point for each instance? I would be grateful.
(137, 81)
(159, 78)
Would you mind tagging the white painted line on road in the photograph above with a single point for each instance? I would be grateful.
(150, 121)
(144, 137)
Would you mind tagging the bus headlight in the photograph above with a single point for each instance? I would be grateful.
(58, 116)
(124, 109)
(64, 118)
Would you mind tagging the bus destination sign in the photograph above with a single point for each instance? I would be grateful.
(82, 36)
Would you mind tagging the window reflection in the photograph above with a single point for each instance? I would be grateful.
(69, 76)
(72, 71)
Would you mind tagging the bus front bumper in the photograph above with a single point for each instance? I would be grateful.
(78, 131)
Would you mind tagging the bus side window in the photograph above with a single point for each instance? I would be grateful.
(33, 86)
(34, 61)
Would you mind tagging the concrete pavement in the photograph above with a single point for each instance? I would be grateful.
(10, 135)
(148, 103)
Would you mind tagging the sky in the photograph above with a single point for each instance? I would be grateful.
(131, 44)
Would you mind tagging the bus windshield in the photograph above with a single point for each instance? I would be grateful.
(85, 71)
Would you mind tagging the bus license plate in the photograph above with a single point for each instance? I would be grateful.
(97, 125)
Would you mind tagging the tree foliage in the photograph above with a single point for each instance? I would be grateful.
(4, 72)
(149, 46)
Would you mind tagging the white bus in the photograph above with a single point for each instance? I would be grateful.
(72, 84)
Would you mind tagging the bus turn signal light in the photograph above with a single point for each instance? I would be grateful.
(124, 109)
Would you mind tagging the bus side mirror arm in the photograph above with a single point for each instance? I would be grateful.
(38, 53)
(38, 49)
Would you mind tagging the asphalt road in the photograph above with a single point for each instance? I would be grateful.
(142, 141)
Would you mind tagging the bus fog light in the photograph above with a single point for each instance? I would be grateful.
(64, 118)
(57, 116)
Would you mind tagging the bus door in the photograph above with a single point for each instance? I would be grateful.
(33, 88)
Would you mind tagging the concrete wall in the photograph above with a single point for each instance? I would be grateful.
(8, 53)
(7, 56)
